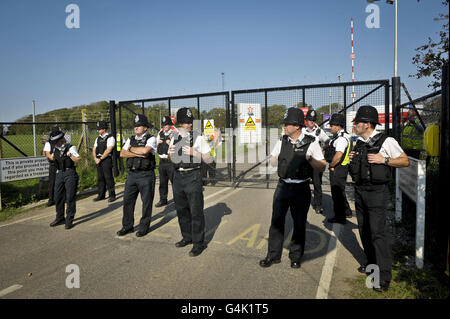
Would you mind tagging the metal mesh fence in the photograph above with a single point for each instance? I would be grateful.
(429, 113)
(20, 141)
(210, 106)
(273, 103)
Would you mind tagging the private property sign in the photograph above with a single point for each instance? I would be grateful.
(15, 169)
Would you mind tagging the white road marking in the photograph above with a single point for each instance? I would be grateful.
(9, 290)
(328, 266)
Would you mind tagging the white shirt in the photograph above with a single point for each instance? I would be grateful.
(314, 150)
(390, 147)
(110, 142)
(72, 150)
(47, 147)
(322, 137)
(341, 143)
(150, 142)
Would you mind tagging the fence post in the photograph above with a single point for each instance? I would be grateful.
(444, 172)
(84, 132)
(112, 123)
(395, 107)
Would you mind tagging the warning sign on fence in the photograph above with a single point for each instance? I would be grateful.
(15, 169)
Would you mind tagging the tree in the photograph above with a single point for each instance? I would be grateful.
(433, 55)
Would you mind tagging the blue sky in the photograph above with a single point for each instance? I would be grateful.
(141, 49)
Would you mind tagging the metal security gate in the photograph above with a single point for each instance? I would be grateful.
(203, 106)
(266, 108)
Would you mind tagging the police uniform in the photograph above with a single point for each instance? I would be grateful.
(140, 180)
(340, 142)
(320, 137)
(105, 179)
(187, 184)
(49, 148)
(292, 192)
(412, 138)
(66, 181)
(371, 181)
(214, 142)
(165, 168)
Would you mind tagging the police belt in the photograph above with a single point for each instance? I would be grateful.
(139, 170)
(63, 170)
(164, 160)
(186, 171)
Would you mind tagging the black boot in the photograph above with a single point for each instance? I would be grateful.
(99, 198)
(112, 197)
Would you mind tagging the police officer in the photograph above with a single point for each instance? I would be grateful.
(315, 131)
(187, 151)
(165, 166)
(139, 150)
(102, 152)
(48, 150)
(214, 141)
(370, 167)
(66, 181)
(336, 154)
(412, 135)
(297, 156)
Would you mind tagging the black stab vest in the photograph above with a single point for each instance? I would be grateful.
(330, 150)
(141, 163)
(292, 161)
(364, 173)
(181, 160)
(62, 161)
(102, 145)
(163, 148)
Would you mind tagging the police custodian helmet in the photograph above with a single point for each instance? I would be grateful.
(166, 120)
(366, 113)
(141, 120)
(102, 125)
(337, 119)
(184, 115)
(294, 116)
(311, 115)
(56, 134)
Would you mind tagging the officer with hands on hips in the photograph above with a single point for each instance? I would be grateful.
(336, 154)
(102, 152)
(319, 134)
(297, 156)
(165, 166)
(370, 167)
(139, 150)
(64, 156)
(187, 150)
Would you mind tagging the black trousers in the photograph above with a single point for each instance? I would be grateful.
(317, 182)
(51, 182)
(105, 179)
(209, 170)
(188, 197)
(138, 182)
(297, 197)
(370, 203)
(338, 178)
(66, 184)
(165, 174)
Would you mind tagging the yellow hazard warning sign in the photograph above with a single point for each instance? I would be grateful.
(250, 125)
(208, 125)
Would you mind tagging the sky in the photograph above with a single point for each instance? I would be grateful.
(135, 49)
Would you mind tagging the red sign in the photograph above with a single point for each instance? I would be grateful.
(382, 117)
